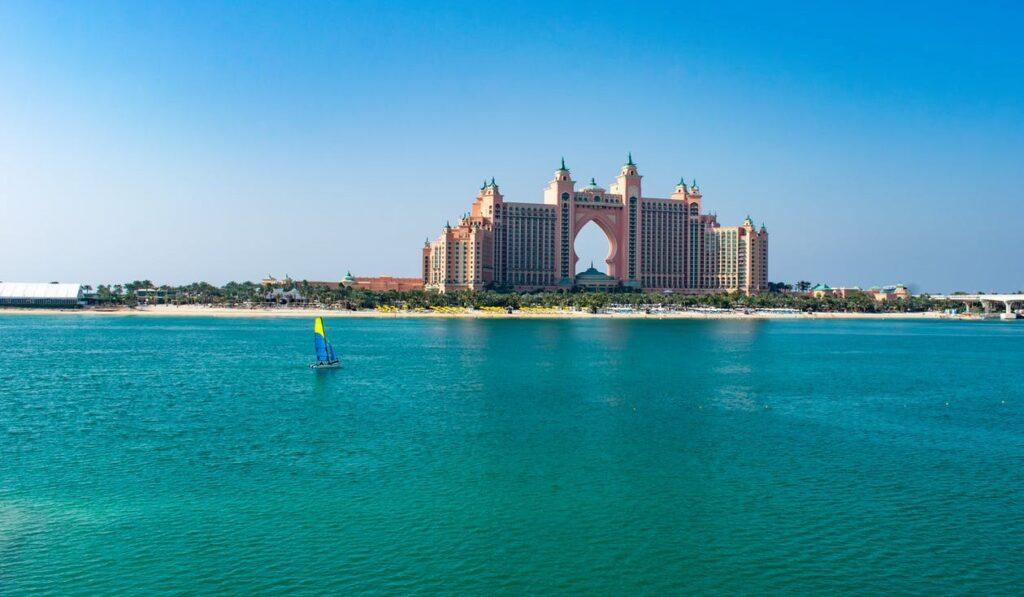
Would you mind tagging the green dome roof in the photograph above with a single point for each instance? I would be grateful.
(593, 273)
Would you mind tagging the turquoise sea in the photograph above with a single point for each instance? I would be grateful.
(197, 455)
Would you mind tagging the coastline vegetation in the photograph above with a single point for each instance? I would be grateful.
(250, 294)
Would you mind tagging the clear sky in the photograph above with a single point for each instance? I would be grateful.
(176, 141)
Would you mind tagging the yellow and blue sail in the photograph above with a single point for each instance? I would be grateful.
(324, 350)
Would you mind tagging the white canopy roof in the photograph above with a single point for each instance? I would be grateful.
(9, 290)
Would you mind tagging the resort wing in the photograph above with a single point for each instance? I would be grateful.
(320, 340)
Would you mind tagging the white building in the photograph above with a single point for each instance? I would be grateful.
(20, 294)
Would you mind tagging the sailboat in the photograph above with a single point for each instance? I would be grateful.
(325, 358)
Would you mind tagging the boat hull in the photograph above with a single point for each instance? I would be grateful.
(333, 365)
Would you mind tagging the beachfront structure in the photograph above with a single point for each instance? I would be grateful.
(892, 292)
(155, 296)
(654, 243)
(279, 296)
(272, 281)
(381, 283)
(374, 283)
(22, 294)
(885, 293)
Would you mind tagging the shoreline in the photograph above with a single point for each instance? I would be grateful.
(458, 313)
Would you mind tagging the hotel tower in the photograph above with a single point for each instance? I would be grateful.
(654, 243)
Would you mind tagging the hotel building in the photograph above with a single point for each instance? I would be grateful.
(654, 243)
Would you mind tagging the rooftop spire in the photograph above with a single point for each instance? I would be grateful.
(484, 186)
(593, 183)
(493, 184)
(563, 164)
(682, 182)
(629, 160)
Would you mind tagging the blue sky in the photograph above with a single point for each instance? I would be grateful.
(880, 142)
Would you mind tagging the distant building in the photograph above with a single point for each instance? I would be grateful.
(595, 280)
(375, 283)
(895, 292)
(655, 243)
(885, 293)
(16, 294)
(272, 281)
(823, 290)
(284, 297)
(154, 296)
(381, 283)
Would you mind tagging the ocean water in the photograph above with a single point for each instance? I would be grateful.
(198, 455)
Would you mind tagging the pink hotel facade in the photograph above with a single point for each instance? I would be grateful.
(654, 243)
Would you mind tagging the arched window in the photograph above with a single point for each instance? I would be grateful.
(694, 210)
(565, 196)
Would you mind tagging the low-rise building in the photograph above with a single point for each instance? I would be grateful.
(885, 293)
(894, 292)
(284, 297)
(823, 290)
(154, 296)
(272, 281)
(27, 294)
(820, 290)
(374, 283)
(381, 283)
(595, 280)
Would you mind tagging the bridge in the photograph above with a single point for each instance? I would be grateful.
(986, 300)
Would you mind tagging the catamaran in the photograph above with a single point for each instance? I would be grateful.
(325, 358)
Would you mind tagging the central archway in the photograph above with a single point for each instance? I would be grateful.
(592, 246)
(591, 242)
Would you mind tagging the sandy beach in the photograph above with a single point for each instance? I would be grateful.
(207, 311)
